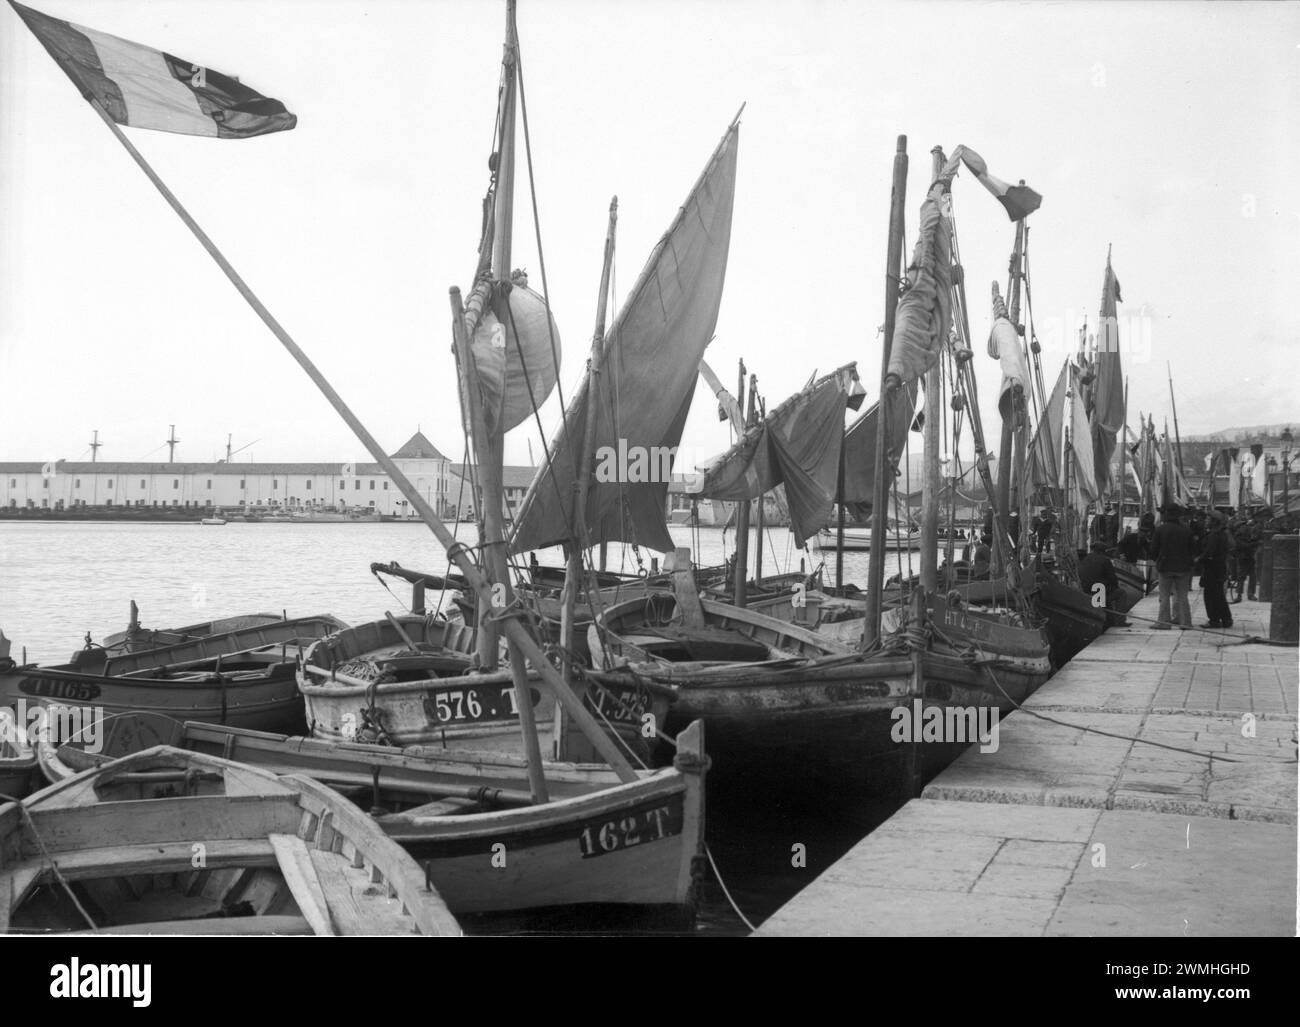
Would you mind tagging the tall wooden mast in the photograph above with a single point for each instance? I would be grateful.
(893, 266)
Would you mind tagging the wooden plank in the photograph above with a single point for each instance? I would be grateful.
(357, 906)
(237, 925)
(197, 819)
(292, 855)
(118, 860)
(441, 808)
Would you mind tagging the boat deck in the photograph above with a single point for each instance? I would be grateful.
(1065, 833)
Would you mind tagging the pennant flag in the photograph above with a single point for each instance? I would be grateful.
(1019, 201)
(728, 408)
(145, 88)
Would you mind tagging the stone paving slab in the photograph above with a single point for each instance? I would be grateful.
(1174, 876)
(961, 869)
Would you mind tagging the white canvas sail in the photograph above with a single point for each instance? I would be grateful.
(649, 368)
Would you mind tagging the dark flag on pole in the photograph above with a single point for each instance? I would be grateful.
(146, 88)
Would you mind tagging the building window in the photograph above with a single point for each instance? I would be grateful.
(77, 483)
(45, 483)
(110, 483)
(108, 502)
(356, 485)
(372, 484)
(275, 483)
(142, 483)
(176, 483)
(308, 486)
(385, 486)
(343, 484)
(241, 483)
(209, 483)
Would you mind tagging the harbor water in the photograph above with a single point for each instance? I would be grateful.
(62, 581)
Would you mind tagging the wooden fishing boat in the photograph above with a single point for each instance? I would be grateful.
(597, 841)
(136, 638)
(859, 539)
(408, 681)
(1071, 620)
(807, 714)
(165, 841)
(17, 757)
(1137, 578)
(245, 678)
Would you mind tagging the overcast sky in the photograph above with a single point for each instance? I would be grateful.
(1168, 130)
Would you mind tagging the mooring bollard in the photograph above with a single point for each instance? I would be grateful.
(1264, 568)
(1284, 619)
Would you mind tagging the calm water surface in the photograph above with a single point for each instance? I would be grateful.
(62, 580)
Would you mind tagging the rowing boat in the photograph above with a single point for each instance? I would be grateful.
(165, 841)
(633, 846)
(245, 678)
(136, 638)
(17, 758)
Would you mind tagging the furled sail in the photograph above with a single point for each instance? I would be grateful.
(922, 322)
(649, 367)
(1107, 413)
(798, 445)
(516, 349)
(1004, 346)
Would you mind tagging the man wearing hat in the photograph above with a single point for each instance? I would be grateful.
(1171, 549)
(1214, 571)
(1096, 569)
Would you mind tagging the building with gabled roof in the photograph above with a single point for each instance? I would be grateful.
(340, 487)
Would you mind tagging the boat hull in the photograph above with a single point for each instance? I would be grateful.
(822, 724)
(459, 711)
(634, 845)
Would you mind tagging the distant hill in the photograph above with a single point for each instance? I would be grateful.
(1254, 433)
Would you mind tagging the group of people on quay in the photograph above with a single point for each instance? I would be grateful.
(1221, 546)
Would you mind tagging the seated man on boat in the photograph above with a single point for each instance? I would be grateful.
(1096, 569)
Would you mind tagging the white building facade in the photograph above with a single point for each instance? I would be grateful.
(63, 484)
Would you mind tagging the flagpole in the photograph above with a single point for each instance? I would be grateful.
(458, 552)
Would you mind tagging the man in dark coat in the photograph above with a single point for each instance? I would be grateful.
(1096, 569)
(1214, 572)
(1246, 537)
(1171, 549)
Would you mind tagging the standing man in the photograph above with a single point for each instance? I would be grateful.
(1247, 539)
(1171, 549)
(1214, 572)
(1044, 527)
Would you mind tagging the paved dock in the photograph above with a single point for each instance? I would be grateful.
(1070, 832)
